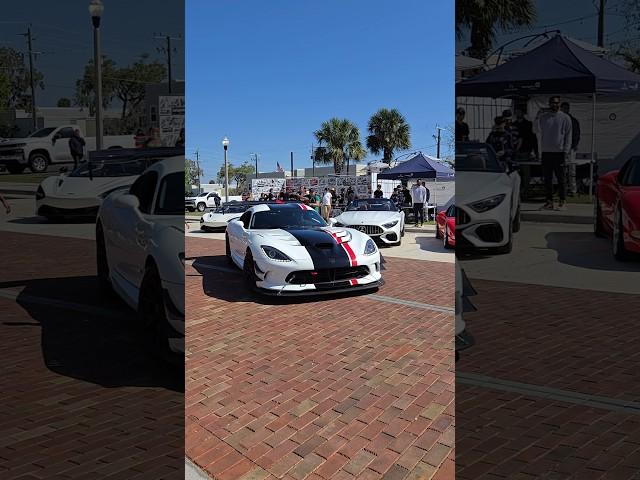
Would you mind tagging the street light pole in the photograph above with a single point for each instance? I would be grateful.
(225, 144)
(95, 9)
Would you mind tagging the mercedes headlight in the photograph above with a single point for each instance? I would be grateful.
(487, 203)
(370, 247)
(275, 254)
(390, 224)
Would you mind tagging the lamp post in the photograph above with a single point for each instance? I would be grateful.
(95, 9)
(225, 144)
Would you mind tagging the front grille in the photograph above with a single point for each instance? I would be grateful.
(489, 233)
(462, 217)
(368, 229)
(326, 275)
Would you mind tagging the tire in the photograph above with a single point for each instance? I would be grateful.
(228, 250)
(202, 207)
(617, 239)
(204, 229)
(445, 238)
(102, 264)
(152, 313)
(437, 232)
(38, 162)
(15, 169)
(402, 232)
(248, 269)
(515, 226)
(598, 229)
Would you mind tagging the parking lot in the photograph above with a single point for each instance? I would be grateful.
(349, 386)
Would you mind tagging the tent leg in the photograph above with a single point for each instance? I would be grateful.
(593, 145)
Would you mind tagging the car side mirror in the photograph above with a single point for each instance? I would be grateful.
(127, 201)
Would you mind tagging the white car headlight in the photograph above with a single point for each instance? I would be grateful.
(487, 204)
(370, 248)
(275, 254)
(390, 224)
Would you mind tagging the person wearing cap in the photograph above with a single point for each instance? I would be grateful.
(500, 139)
(462, 129)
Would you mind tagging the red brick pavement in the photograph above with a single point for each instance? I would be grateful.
(574, 340)
(343, 388)
(79, 396)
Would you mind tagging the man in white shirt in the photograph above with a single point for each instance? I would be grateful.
(553, 128)
(326, 204)
(419, 198)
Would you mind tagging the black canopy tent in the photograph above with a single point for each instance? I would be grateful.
(558, 66)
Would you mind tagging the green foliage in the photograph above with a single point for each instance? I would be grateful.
(15, 86)
(388, 131)
(339, 141)
(64, 102)
(190, 174)
(236, 174)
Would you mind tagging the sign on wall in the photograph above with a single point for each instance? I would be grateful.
(170, 118)
(263, 185)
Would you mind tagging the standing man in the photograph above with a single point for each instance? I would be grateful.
(216, 199)
(326, 204)
(462, 129)
(76, 146)
(314, 200)
(575, 140)
(427, 196)
(419, 198)
(554, 129)
(378, 193)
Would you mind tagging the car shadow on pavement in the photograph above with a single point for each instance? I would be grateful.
(90, 336)
(44, 221)
(577, 249)
(431, 244)
(225, 282)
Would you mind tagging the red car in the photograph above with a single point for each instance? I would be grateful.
(446, 226)
(618, 208)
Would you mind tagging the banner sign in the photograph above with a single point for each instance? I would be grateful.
(170, 118)
(263, 185)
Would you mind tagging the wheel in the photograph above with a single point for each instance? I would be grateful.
(402, 232)
(202, 207)
(445, 238)
(598, 229)
(102, 263)
(228, 250)
(437, 231)
(249, 270)
(204, 229)
(15, 169)
(619, 252)
(152, 313)
(515, 226)
(38, 162)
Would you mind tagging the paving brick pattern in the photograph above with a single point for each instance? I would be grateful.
(342, 388)
(79, 397)
(574, 340)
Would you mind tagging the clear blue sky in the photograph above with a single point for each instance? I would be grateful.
(268, 73)
(62, 31)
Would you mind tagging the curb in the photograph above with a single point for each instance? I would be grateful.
(192, 471)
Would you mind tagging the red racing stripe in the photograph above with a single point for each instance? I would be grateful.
(353, 281)
(350, 252)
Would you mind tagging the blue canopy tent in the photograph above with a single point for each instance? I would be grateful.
(420, 166)
(558, 66)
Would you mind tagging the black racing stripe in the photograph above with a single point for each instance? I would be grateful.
(322, 247)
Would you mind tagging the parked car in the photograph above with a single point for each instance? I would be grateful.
(446, 226)
(219, 218)
(80, 193)
(487, 199)
(140, 251)
(50, 145)
(288, 249)
(617, 208)
(464, 289)
(200, 202)
(377, 217)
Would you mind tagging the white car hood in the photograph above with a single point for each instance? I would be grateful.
(83, 187)
(474, 186)
(367, 218)
(220, 217)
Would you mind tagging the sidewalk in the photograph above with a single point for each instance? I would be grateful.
(580, 213)
(18, 188)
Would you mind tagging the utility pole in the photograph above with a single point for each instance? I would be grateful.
(437, 137)
(33, 88)
(167, 50)
(255, 158)
(291, 164)
(601, 23)
(313, 162)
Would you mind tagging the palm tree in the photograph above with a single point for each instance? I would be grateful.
(389, 131)
(484, 17)
(339, 141)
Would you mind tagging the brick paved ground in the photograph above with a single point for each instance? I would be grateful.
(79, 396)
(572, 340)
(342, 388)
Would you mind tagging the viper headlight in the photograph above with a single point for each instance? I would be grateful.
(275, 254)
(370, 248)
(390, 224)
(487, 204)
(39, 193)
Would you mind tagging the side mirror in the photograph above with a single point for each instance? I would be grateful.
(332, 222)
(127, 201)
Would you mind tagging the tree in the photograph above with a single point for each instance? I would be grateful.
(131, 81)
(15, 87)
(483, 18)
(85, 86)
(339, 141)
(241, 173)
(220, 174)
(64, 102)
(191, 174)
(389, 131)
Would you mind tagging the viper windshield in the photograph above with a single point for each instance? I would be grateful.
(112, 168)
(286, 218)
(372, 205)
(231, 209)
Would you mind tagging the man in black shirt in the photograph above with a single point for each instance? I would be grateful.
(378, 193)
(462, 129)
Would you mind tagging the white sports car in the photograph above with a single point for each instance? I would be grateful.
(288, 249)
(377, 217)
(220, 217)
(487, 199)
(140, 250)
(80, 193)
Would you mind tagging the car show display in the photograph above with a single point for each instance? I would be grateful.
(379, 218)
